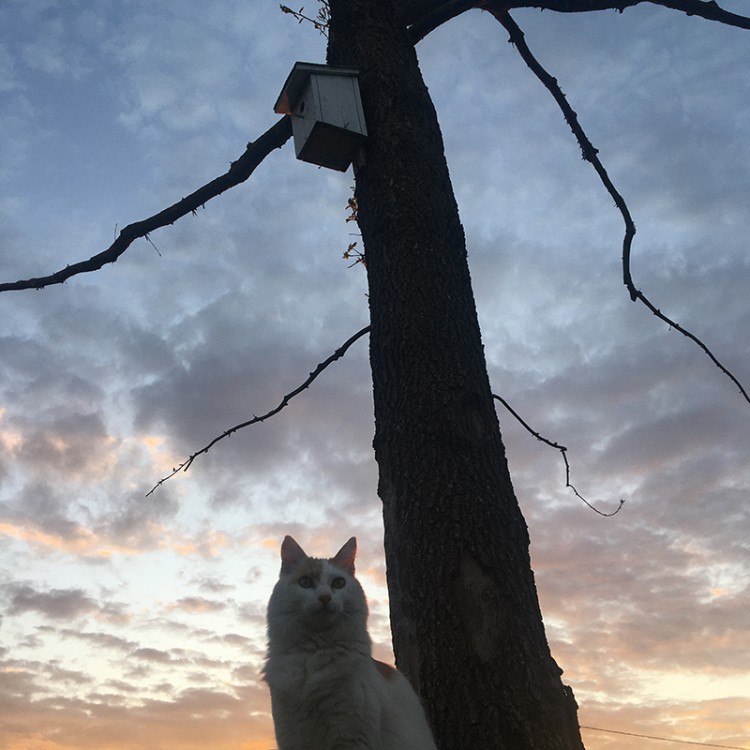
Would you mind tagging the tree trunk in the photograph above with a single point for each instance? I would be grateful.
(467, 628)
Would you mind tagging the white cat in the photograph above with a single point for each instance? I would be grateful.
(327, 692)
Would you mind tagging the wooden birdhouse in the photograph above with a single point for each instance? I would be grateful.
(327, 119)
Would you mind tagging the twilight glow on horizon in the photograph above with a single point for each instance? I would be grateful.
(134, 622)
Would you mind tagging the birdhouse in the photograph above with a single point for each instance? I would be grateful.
(328, 123)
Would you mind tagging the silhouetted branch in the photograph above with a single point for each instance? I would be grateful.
(425, 16)
(709, 10)
(499, 11)
(340, 352)
(275, 137)
(563, 451)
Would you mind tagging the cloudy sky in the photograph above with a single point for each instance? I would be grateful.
(130, 622)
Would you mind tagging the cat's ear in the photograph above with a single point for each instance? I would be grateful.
(345, 556)
(291, 554)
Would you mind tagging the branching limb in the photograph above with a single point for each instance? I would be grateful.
(340, 352)
(239, 171)
(426, 15)
(707, 9)
(499, 11)
(563, 451)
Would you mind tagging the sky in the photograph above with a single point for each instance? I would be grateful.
(132, 621)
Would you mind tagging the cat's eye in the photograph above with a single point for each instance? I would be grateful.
(338, 583)
(306, 582)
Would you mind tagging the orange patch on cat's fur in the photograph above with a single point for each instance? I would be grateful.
(311, 567)
(386, 670)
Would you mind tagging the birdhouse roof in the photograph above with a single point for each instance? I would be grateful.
(297, 79)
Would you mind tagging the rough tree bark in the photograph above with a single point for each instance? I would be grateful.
(467, 628)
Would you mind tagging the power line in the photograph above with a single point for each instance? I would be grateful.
(663, 739)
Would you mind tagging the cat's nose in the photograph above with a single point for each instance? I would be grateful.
(324, 598)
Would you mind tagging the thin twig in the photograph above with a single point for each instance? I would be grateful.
(275, 137)
(340, 352)
(321, 23)
(563, 451)
(151, 242)
(499, 11)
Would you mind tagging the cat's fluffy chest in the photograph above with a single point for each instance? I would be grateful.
(301, 675)
(326, 699)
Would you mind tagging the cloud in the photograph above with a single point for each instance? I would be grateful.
(194, 719)
(106, 641)
(214, 586)
(54, 50)
(55, 604)
(152, 655)
(198, 604)
(75, 446)
(61, 604)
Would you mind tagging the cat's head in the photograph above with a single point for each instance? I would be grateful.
(320, 594)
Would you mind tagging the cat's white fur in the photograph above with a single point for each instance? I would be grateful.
(327, 692)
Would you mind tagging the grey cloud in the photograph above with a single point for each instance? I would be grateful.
(106, 641)
(57, 604)
(648, 598)
(58, 674)
(117, 517)
(16, 681)
(53, 51)
(71, 445)
(121, 687)
(40, 505)
(34, 374)
(214, 586)
(135, 519)
(61, 604)
(152, 655)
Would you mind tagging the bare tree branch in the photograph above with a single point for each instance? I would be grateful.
(563, 451)
(340, 352)
(425, 16)
(275, 137)
(499, 11)
(707, 9)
